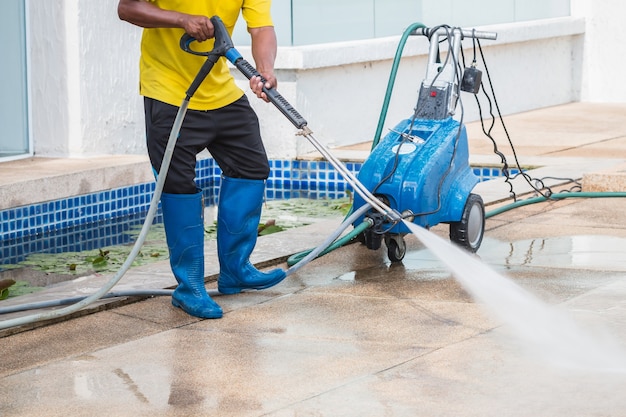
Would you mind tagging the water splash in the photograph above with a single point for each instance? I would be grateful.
(544, 329)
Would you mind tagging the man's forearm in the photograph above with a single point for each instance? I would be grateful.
(264, 47)
(147, 15)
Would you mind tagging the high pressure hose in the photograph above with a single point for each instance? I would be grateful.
(296, 263)
(330, 243)
(344, 240)
(72, 300)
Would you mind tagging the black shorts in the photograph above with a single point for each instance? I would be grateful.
(231, 134)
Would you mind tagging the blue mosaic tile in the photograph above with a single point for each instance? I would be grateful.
(37, 224)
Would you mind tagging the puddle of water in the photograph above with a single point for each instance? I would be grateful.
(543, 329)
(602, 253)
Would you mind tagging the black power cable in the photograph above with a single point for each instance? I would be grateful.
(540, 187)
(487, 132)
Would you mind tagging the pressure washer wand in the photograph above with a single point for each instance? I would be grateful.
(367, 196)
(223, 45)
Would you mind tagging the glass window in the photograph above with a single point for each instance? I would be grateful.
(13, 92)
(305, 22)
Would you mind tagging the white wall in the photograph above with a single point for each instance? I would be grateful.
(112, 111)
(49, 99)
(604, 59)
(84, 77)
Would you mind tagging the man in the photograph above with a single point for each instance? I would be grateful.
(219, 119)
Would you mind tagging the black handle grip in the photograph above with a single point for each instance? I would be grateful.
(272, 94)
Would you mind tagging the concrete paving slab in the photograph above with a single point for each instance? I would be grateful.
(557, 131)
(34, 180)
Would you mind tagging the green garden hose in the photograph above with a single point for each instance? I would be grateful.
(294, 259)
(557, 196)
(392, 79)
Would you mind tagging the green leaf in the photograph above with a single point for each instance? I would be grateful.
(268, 230)
(99, 261)
(22, 288)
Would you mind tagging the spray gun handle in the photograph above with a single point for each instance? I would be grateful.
(221, 40)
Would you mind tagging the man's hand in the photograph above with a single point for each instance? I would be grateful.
(200, 27)
(257, 85)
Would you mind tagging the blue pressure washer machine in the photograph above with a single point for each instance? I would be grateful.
(421, 167)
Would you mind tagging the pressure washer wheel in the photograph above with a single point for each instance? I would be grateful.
(468, 233)
(396, 247)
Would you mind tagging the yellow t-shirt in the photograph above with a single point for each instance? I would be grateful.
(166, 71)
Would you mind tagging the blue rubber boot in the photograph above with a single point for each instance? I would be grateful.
(184, 231)
(238, 216)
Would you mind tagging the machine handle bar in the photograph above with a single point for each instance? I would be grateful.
(467, 33)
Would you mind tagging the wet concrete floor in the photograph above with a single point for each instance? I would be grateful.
(349, 335)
